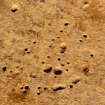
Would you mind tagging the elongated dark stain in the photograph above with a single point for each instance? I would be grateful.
(48, 69)
(58, 88)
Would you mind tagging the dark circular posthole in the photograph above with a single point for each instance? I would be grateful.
(26, 49)
(26, 87)
(85, 36)
(14, 10)
(59, 59)
(4, 68)
(39, 87)
(91, 55)
(81, 40)
(24, 91)
(45, 88)
(57, 72)
(61, 30)
(66, 24)
(71, 86)
(38, 93)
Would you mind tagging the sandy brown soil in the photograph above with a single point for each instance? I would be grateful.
(52, 52)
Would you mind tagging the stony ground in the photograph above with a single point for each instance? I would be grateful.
(52, 52)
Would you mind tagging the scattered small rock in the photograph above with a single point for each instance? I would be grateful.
(14, 8)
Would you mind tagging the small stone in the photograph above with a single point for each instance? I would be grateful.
(14, 8)
(63, 47)
(85, 7)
